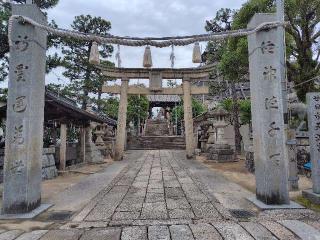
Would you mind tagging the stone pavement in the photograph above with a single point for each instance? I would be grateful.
(159, 196)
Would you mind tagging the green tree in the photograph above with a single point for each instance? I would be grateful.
(197, 109)
(111, 107)
(244, 108)
(245, 112)
(302, 36)
(230, 57)
(85, 78)
(138, 107)
(303, 43)
(5, 13)
(66, 91)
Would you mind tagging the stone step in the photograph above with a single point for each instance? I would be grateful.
(157, 127)
(156, 142)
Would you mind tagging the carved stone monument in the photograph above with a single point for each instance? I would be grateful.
(93, 154)
(109, 140)
(293, 167)
(25, 113)
(313, 100)
(269, 139)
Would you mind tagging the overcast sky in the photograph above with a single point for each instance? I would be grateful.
(145, 18)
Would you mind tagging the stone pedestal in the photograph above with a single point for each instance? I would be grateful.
(25, 113)
(221, 153)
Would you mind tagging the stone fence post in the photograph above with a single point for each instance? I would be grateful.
(269, 138)
(313, 100)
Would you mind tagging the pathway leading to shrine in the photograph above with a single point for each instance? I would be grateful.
(162, 195)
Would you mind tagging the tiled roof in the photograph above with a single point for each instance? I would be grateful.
(164, 98)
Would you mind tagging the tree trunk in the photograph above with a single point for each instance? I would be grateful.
(86, 89)
(86, 81)
(235, 118)
(85, 96)
(99, 98)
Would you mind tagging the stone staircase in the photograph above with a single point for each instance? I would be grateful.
(156, 142)
(156, 137)
(157, 127)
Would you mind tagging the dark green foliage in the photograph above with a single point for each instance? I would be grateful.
(245, 111)
(303, 61)
(232, 56)
(85, 77)
(231, 64)
(178, 112)
(138, 107)
(3, 94)
(302, 36)
(5, 12)
(111, 107)
(244, 108)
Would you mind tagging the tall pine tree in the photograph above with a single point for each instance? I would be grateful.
(85, 78)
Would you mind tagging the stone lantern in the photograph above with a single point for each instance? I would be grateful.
(219, 150)
(99, 133)
(220, 124)
(109, 139)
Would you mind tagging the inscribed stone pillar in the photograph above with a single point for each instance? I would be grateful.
(292, 156)
(63, 146)
(24, 139)
(313, 100)
(122, 120)
(271, 156)
(188, 121)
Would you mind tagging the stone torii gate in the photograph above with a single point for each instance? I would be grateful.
(24, 130)
(155, 76)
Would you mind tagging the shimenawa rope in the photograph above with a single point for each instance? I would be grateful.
(139, 42)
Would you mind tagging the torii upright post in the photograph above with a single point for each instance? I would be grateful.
(25, 114)
(122, 120)
(188, 121)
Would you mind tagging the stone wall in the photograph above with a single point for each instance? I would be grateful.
(49, 170)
